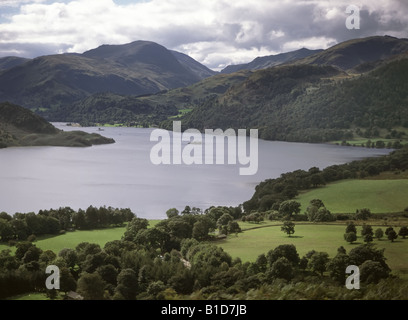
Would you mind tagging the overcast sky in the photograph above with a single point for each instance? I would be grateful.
(214, 32)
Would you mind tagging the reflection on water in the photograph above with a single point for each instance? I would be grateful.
(122, 175)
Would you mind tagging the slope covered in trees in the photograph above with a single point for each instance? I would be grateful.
(310, 103)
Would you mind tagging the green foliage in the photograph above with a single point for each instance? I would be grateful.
(47, 222)
(350, 237)
(307, 103)
(288, 227)
(21, 127)
(272, 193)
(403, 232)
(109, 108)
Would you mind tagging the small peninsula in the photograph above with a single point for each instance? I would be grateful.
(20, 127)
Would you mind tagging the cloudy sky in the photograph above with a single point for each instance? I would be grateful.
(215, 32)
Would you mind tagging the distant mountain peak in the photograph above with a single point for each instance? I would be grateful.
(271, 61)
(136, 68)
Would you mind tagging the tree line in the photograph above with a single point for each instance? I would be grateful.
(128, 270)
(21, 226)
(271, 193)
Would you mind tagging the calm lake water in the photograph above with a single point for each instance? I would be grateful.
(122, 174)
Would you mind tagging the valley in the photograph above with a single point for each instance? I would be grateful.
(333, 129)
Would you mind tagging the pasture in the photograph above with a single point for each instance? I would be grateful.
(249, 244)
(380, 196)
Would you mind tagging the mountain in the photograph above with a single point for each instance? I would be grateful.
(10, 62)
(194, 66)
(137, 68)
(350, 54)
(312, 103)
(271, 61)
(21, 127)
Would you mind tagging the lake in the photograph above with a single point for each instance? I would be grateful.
(122, 175)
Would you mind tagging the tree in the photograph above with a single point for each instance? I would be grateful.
(223, 221)
(233, 227)
(379, 233)
(187, 210)
(350, 237)
(367, 233)
(284, 250)
(318, 262)
(67, 281)
(70, 256)
(133, 227)
(367, 229)
(91, 286)
(200, 230)
(171, 213)
(22, 248)
(179, 229)
(281, 268)
(403, 232)
(392, 235)
(288, 227)
(261, 262)
(6, 230)
(337, 267)
(367, 252)
(319, 214)
(128, 284)
(351, 227)
(20, 229)
(368, 238)
(289, 207)
(373, 272)
(363, 214)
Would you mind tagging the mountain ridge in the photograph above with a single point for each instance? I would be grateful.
(271, 61)
(137, 68)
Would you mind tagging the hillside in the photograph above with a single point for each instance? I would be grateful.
(142, 110)
(20, 127)
(310, 103)
(271, 61)
(137, 68)
(10, 62)
(351, 53)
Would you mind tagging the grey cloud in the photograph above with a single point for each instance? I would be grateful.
(237, 28)
(30, 50)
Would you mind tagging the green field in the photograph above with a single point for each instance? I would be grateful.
(319, 237)
(73, 238)
(380, 196)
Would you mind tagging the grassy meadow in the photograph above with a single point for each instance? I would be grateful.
(249, 244)
(380, 196)
(73, 238)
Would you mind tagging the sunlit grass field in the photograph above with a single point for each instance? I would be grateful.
(249, 244)
(73, 238)
(380, 196)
